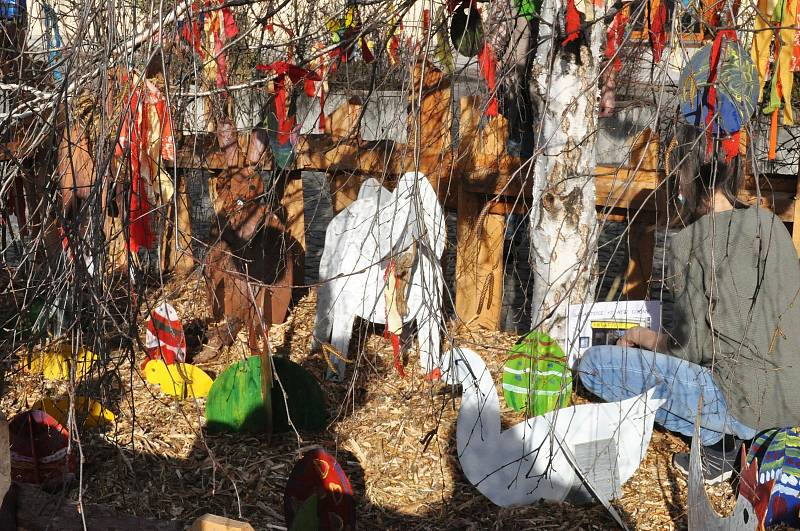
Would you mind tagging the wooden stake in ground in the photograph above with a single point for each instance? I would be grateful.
(176, 250)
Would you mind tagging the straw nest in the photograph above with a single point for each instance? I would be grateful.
(394, 437)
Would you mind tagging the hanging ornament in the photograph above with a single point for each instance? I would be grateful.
(718, 90)
(147, 132)
(284, 120)
(466, 29)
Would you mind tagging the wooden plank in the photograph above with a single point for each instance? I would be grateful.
(479, 263)
(625, 188)
(212, 522)
(40, 511)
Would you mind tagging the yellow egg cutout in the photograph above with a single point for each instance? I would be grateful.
(181, 380)
(90, 413)
(54, 364)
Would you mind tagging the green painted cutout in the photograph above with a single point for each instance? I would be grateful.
(306, 400)
(235, 403)
(306, 517)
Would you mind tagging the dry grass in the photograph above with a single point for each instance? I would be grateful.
(394, 437)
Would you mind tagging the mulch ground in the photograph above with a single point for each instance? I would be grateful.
(394, 437)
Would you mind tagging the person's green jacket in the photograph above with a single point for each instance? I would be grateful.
(735, 278)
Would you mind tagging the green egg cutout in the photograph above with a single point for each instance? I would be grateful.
(536, 377)
(235, 403)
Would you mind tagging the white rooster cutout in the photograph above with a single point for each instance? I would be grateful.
(527, 462)
(702, 516)
(361, 242)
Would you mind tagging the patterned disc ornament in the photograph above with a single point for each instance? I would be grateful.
(737, 88)
(776, 455)
(318, 474)
(536, 376)
(466, 29)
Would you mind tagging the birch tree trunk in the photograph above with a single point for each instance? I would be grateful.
(563, 219)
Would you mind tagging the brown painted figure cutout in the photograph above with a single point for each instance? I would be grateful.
(253, 262)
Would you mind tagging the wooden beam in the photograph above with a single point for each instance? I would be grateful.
(796, 216)
(640, 261)
(293, 203)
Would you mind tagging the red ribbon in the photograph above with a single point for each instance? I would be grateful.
(191, 34)
(573, 23)
(730, 144)
(282, 69)
(488, 65)
(658, 32)
(616, 33)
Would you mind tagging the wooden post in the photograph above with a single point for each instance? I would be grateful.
(479, 263)
(640, 261)
(344, 190)
(796, 220)
(293, 203)
(178, 259)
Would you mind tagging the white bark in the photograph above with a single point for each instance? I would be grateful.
(563, 219)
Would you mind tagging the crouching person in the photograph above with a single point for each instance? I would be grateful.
(735, 336)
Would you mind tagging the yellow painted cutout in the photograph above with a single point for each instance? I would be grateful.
(85, 408)
(55, 364)
(181, 380)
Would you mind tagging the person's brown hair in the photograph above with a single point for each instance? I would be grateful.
(697, 175)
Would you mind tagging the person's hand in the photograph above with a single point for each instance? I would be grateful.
(642, 337)
(626, 340)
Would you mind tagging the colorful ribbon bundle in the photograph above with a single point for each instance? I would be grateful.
(467, 37)
(394, 320)
(286, 120)
(345, 31)
(218, 28)
(147, 132)
(776, 40)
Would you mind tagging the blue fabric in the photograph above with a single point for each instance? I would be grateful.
(12, 9)
(53, 40)
(615, 373)
(737, 87)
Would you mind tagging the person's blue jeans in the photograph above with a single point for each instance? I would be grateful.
(615, 373)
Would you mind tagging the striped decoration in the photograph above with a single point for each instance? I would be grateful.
(164, 337)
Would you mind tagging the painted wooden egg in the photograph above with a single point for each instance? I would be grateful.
(319, 474)
(536, 377)
(235, 402)
(39, 450)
